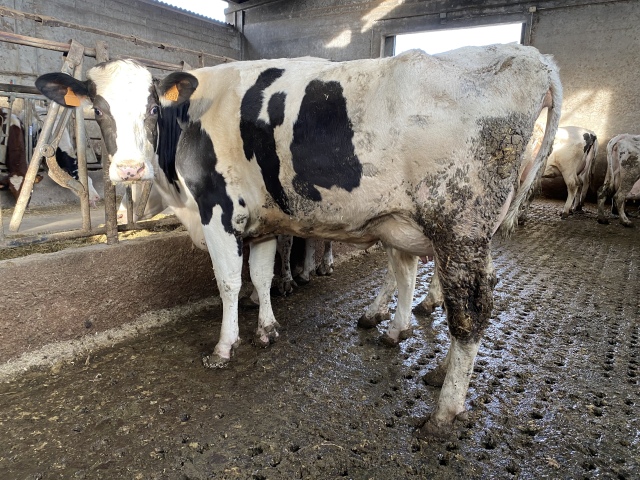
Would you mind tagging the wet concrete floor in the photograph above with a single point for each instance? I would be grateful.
(555, 393)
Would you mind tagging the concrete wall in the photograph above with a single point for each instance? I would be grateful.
(64, 295)
(597, 49)
(595, 43)
(119, 23)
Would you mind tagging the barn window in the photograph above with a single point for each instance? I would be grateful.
(437, 41)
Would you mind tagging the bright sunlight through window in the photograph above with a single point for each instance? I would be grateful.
(444, 40)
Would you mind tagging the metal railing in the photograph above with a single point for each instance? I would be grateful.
(48, 139)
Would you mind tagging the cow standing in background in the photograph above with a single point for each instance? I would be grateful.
(622, 180)
(573, 157)
(418, 152)
(15, 155)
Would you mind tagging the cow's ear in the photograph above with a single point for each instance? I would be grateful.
(63, 89)
(176, 88)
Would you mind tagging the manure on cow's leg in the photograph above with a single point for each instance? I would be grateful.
(468, 277)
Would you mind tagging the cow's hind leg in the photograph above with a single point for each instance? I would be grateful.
(619, 199)
(603, 193)
(261, 259)
(326, 265)
(574, 186)
(405, 268)
(304, 277)
(467, 278)
(285, 284)
(433, 299)
(378, 310)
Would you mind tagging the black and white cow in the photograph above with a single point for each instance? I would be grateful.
(418, 152)
(622, 180)
(289, 277)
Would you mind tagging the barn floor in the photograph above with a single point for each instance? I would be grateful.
(555, 393)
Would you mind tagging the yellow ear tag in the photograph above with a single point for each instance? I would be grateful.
(71, 99)
(172, 94)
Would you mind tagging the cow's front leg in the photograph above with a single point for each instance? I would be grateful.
(405, 269)
(467, 279)
(225, 250)
(261, 258)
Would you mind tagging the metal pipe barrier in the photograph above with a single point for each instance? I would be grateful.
(49, 139)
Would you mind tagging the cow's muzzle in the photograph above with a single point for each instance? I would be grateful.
(131, 172)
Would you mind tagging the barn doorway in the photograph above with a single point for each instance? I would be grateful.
(437, 41)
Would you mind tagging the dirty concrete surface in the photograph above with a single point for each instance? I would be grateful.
(555, 391)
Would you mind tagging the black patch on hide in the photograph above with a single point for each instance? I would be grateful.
(257, 135)
(322, 148)
(197, 165)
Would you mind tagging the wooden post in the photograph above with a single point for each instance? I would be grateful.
(110, 207)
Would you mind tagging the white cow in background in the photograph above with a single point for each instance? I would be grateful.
(622, 180)
(573, 158)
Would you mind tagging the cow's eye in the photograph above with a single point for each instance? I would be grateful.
(153, 110)
(98, 112)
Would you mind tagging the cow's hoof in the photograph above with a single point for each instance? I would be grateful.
(215, 361)
(301, 280)
(371, 322)
(282, 288)
(433, 431)
(245, 303)
(627, 224)
(603, 221)
(435, 377)
(564, 215)
(324, 270)
(389, 341)
(424, 309)
(266, 336)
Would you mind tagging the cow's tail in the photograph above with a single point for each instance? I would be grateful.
(590, 155)
(553, 102)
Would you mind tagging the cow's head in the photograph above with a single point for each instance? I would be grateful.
(127, 102)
